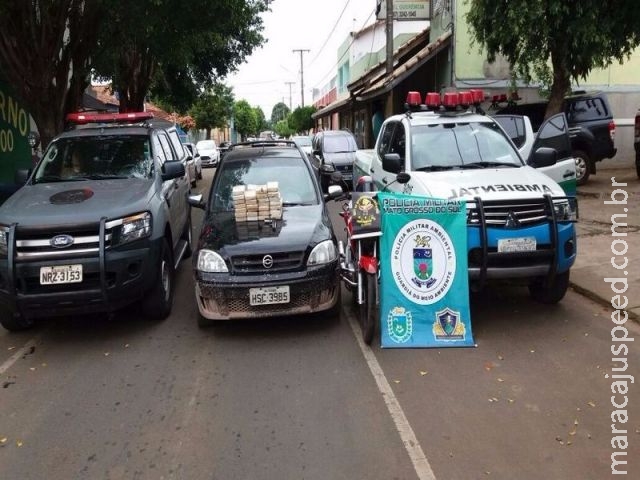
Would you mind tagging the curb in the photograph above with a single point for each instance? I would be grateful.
(598, 299)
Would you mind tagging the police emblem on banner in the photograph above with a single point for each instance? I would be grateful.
(399, 325)
(423, 261)
(448, 325)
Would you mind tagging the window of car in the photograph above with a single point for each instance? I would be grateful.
(164, 142)
(96, 157)
(455, 144)
(206, 145)
(294, 179)
(177, 144)
(585, 109)
(302, 141)
(339, 144)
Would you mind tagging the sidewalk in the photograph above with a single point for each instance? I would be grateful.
(595, 238)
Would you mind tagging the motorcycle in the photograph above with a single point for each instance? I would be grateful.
(359, 257)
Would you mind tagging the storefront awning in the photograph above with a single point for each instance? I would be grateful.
(378, 82)
(324, 111)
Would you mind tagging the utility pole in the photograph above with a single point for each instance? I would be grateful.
(290, 83)
(389, 30)
(301, 74)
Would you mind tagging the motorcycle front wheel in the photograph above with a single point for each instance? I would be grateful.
(367, 309)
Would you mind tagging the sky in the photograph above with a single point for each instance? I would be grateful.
(319, 26)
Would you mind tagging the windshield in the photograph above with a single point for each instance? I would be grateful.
(302, 141)
(96, 157)
(206, 145)
(339, 144)
(458, 144)
(293, 177)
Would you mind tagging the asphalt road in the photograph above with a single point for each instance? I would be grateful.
(302, 398)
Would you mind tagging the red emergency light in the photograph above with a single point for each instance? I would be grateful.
(478, 96)
(432, 100)
(85, 118)
(451, 99)
(413, 99)
(466, 99)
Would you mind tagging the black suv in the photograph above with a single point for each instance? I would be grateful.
(591, 128)
(101, 222)
(333, 150)
(267, 247)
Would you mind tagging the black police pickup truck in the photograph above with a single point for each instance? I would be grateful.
(101, 223)
(591, 128)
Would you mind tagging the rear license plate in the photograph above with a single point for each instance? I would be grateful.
(269, 295)
(519, 244)
(60, 274)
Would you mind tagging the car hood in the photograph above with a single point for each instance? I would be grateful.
(489, 184)
(78, 201)
(342, 158)
(301, 227)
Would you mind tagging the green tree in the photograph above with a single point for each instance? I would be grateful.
(300, 119)
(45, 55)
(282, 129)
(261, 121)
(280, 111)
(212, 110)
(246, 122)
(555, 40)
(48, 49)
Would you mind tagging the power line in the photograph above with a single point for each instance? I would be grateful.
(331, 33)
(346, 50)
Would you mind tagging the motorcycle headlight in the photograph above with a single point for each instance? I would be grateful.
(566, 210)
(4, 236)
(132, 228)
(212, 262)
(324, 252)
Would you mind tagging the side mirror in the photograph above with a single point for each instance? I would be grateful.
(391, 162)
(196, 201)
(171, 170)
(403, 177)
(334, 191)
(543, 157)
(316, 153)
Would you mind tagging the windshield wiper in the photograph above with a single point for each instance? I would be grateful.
(435, 168)
(487, 164)
(49, 178)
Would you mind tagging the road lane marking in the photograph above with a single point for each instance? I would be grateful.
(408, 437)
(14, 358)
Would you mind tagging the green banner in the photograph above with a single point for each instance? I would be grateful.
(15, 152)
(424, 300)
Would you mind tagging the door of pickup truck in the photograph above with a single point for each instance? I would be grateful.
(553, 133)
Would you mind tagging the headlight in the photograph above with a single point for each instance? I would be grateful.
(212, 262)
(566, 210)
(324, 252)
(132, 228)
(4, 236)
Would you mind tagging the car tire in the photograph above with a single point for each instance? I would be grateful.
(583, 166)
(552, 293)
(158, 302)
(14, 322)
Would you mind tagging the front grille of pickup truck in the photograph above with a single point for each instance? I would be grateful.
(37, 243)
(510, 213)
(280, 262)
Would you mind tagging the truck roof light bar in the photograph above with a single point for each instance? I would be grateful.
(85, 118)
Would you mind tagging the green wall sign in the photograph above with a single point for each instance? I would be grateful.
(15, 152)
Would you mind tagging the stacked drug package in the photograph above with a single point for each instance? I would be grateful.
(257, 203)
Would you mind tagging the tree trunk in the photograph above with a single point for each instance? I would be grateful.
(560, 86)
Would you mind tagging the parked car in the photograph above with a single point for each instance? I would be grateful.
(591, 128)
(99, 225)
(264, 268)
(209, 153)
(304, 143)
(636, 142)
(194, 163)
(333, 150)
(223, 148)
